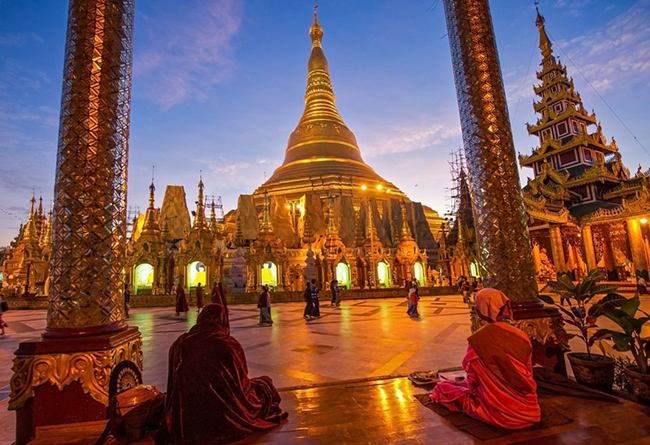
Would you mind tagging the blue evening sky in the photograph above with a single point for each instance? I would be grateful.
(218, 86)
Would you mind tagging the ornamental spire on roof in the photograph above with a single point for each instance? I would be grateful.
(150, 224)
(544, 42)
(199, 218)
(30, 226)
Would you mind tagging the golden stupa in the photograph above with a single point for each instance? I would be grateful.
(322, 154)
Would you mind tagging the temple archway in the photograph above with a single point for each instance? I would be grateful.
(343, 274)
(269, 274)
(383, 274)
(420, 274)
(142, 278)
(196, 273)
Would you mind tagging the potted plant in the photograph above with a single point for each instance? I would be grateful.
(631, 320)
(593, 370)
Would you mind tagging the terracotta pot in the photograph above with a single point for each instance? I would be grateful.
(597, 373)
(640, 384)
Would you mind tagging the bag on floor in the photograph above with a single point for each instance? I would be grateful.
(134, 414)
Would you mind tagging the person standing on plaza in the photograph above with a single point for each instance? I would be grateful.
(413, 302)
(337, 289)
(199, 298)
(223, 292)
(315, 311)
(127, 300)
(309, 305)
(333, 286)
(264, 304)
(407, 288)
(181, 301)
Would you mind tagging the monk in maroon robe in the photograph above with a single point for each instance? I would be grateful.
(499, 388)
(199, 298)
(210, 398)
(181, 300)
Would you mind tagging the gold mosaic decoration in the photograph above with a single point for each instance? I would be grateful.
(499, 214)
(89, 227)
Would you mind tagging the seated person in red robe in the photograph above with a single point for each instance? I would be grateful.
(499, 388)
(210, 398)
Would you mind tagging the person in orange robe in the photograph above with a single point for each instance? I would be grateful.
(499, 388)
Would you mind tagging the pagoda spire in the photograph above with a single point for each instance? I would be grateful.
(150, 224)
(213, 218)
(544, 42)
(30, 226)
(40, 218)
(405, 233)
(46, 233)
(199, 218)
(266, 228)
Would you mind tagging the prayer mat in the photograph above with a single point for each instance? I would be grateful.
(483, 431)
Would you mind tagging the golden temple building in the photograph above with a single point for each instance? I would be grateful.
(323, 214)
(25, 268)
(584, 208)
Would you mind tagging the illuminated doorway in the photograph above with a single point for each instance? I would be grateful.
(473, 269)
(419, 274)
(269, 274)
(196, 273)
(343, 274)
(383, 274)
(143, 277)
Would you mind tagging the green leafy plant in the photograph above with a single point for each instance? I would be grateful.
(579, 296)
(629, 337)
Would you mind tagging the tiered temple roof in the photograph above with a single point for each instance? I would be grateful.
(578, 174)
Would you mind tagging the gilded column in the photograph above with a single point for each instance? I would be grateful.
(588, 242)
(608, 254)
(86, 342)
(537, 258)
(499, 215)
(556, 249)
(636, 244)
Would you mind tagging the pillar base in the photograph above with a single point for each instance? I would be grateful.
(545, 328)
(58, 381)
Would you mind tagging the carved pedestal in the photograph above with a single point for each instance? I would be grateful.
(59, 381)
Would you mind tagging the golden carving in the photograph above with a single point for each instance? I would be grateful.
(543, 330)
(92, 369)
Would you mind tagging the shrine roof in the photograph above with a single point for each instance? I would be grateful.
(582, 210)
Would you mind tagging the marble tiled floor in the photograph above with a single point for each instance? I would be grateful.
(361, 339)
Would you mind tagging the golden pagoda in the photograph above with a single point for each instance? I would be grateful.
(322, 152)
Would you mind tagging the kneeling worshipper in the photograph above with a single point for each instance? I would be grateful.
(210, 398)
(499, 388)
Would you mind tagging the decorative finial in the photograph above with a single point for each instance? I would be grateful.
(153, 169)
(316, 32)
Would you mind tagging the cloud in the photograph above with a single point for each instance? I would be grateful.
(407, 137)
(572, 8)
(186, 56)
(617, 54)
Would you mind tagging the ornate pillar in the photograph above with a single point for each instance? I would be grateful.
(588, 242)
(556, 248)
(87, 351)
(497, 201)
(537, 258)
(636, 244)
(608, 255)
